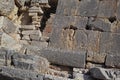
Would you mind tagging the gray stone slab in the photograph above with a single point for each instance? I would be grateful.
(30, 62)
(113, 61)
(107, 8)
(50, 77)
(88, 8)
(109, 43)
(20, 74)
(67, 9)
(118, 10)
(66, 21)
(67, 58)
(80, 40)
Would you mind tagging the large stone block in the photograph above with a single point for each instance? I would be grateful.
(113, 61)
(67, 58)
(67, 9)
(19, 74)
(107, 8)
(109, 43)
(88, 8)
(30, 62)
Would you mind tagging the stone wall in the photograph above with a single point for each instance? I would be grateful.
(60, 40)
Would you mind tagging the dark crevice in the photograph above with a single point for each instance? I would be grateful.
(112, 19)
(71, 27)
(92, 27)
(47, 13)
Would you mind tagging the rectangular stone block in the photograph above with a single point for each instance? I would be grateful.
(67, 9)
(88, 8)
(109, 43)
(14, 73)
(28, 32)
(107, 8)
(113, 61)
(30, 62)
(62, 57)
(34, 37)
(27, 27)
(80, 40)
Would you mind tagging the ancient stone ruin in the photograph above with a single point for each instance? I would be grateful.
(59, 39)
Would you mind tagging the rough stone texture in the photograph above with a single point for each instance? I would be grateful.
(6, 7)
(79, 76)
(19, 74)
(113, 61)
(109, 43)
(65, 21)
(49, 77)
(88, 8)
(7, 26)
(118, 10)
(8, 41)
(98, 24)
(107, 8)
(104, 74)
(67, 58)
(30, 62)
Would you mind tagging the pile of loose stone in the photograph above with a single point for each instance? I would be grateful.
(59, 39)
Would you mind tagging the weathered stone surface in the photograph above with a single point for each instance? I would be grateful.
(50, 77)
(19, 74)
(118, 10)
(28, 32)
(67, 58)
(104, 74)
(107, 8)
(39, 44)
(113, 61)
(88, 8)
(81, 40)
(21, 3)
(3, 53)
(6, 7)
(78, 76)
(27, 27)
(30, 62)
(8, 41)
(109, 43)
(67, 21)
(81, 8)
(98, 24)
(7, 26)
(67, 9)
(34, 37)
(26, 37)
